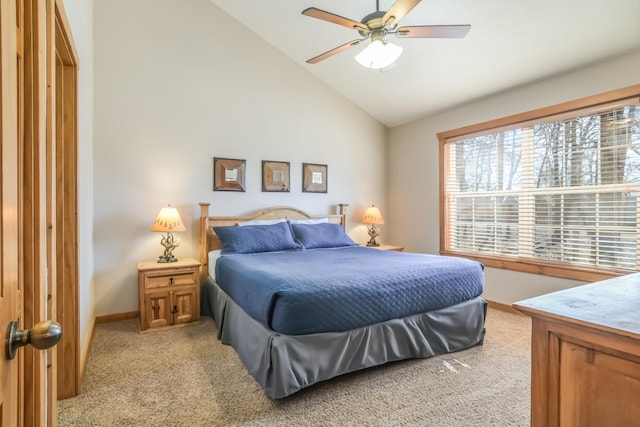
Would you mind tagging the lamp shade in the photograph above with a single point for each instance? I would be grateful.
(379, 54)
(168, 220)
(372, 216)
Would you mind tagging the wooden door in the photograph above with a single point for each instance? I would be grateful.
(32, 127)
(11, 374)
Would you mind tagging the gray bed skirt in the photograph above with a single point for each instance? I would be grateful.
(284, 364)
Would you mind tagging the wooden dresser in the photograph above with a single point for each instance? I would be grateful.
(585, 354)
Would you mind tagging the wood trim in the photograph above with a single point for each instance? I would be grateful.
(50, 208)
(443, 170)
(542, 268)
(84, 355)
(116, 317)
(577, 104)
(37, 387)
(204, 213)
(528, 266)
(65, 112)
(504, 307)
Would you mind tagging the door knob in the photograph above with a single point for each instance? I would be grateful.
(42, 336)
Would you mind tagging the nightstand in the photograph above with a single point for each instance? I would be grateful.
(384, 247)
(169, 293)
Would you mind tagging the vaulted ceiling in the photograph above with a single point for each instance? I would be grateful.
(511, 43)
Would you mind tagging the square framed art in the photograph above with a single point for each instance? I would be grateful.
(275, 176)
(228, 174)
(314, 178)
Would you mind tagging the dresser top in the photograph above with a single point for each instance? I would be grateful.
(612, 305)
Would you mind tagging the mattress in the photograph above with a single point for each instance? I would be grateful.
(340, 289)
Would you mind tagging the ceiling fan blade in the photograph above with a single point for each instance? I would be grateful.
(399, 9)
(433, 31)
(332, 52)
(333, 18)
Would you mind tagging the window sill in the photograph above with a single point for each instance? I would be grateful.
(564, 271)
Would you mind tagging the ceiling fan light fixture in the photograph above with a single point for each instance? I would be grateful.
(375, 26)
(379, 54)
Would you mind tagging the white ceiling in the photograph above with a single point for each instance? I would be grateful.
(511, 43)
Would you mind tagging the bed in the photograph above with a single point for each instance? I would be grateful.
(301, 303)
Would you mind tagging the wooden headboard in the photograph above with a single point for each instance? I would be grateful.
(209, 241)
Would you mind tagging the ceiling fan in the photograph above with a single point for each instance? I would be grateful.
(376, 26)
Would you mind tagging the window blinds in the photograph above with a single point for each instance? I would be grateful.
(561, 189)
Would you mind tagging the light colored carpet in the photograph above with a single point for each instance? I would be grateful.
(186, 377)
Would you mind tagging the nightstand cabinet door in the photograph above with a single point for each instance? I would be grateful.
(157, 311)
(183, 305)
(169, 293)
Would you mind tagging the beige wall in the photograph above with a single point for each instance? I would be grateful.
(171, 89)
(413, 164)
(176, 83)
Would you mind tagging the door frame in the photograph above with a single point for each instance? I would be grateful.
(49, 206)
(32, 206)
(62, 140)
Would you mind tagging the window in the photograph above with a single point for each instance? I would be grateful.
(553, 191)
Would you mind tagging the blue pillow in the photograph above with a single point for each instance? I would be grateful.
(325, 235)
(256, 238)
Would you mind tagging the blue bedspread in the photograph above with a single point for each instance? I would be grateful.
(338, 289)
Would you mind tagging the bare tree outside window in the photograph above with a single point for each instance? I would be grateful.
(560, 191)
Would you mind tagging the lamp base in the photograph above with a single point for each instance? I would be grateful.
(165, 259)
(373, 242)
(169, 243)
(374, 232)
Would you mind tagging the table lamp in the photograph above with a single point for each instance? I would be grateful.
(373, 217)
(168, 221)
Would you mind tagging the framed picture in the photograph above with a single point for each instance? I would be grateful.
(275, 176)
(228, 174)
(314, 178)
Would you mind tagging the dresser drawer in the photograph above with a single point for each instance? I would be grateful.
(164, 279)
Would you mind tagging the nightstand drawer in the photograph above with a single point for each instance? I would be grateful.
(176, 278)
